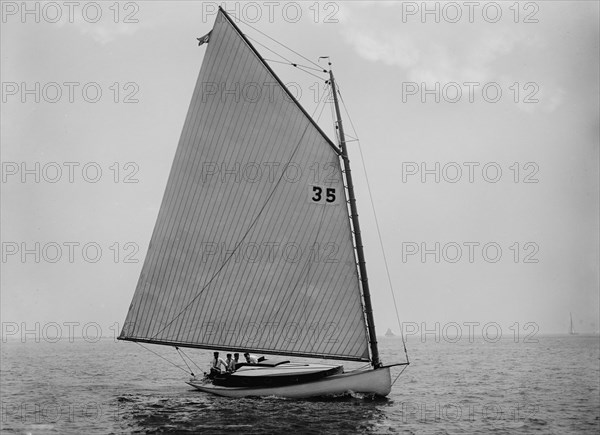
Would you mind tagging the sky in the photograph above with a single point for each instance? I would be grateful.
(478, 127)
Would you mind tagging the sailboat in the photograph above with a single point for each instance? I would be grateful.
(571, 327)
(389, 333)
(257, 246)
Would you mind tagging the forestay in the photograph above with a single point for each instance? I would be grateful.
(252, 248)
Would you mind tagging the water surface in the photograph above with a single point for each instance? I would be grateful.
(551, 386)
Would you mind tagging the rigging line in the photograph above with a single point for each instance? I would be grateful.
(278, 61)
(287, 60)
(385, 261)
(401, 371)
(185, 362)
(297, 65)
(309, 73)
(309, 67)
(252, 224)
(322, 108)
(272, 51)
(193, 362)
(160, 356)
(283, 45)
(306, 266)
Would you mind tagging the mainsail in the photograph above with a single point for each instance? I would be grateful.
(252, 248)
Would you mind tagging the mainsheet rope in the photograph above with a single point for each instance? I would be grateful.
(160, 356)
(184, 361)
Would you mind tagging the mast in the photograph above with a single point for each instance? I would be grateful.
(357, 235)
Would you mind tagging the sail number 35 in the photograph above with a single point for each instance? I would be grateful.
(323, 195)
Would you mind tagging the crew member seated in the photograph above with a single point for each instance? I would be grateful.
(230, 364)
(250, 359)
(215, 367)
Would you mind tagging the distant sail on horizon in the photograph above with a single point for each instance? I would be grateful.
(571, 327)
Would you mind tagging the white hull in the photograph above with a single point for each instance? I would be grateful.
(370, 381)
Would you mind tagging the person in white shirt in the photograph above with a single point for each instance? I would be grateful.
(250, 359)
(230, 364)
(215, 367)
